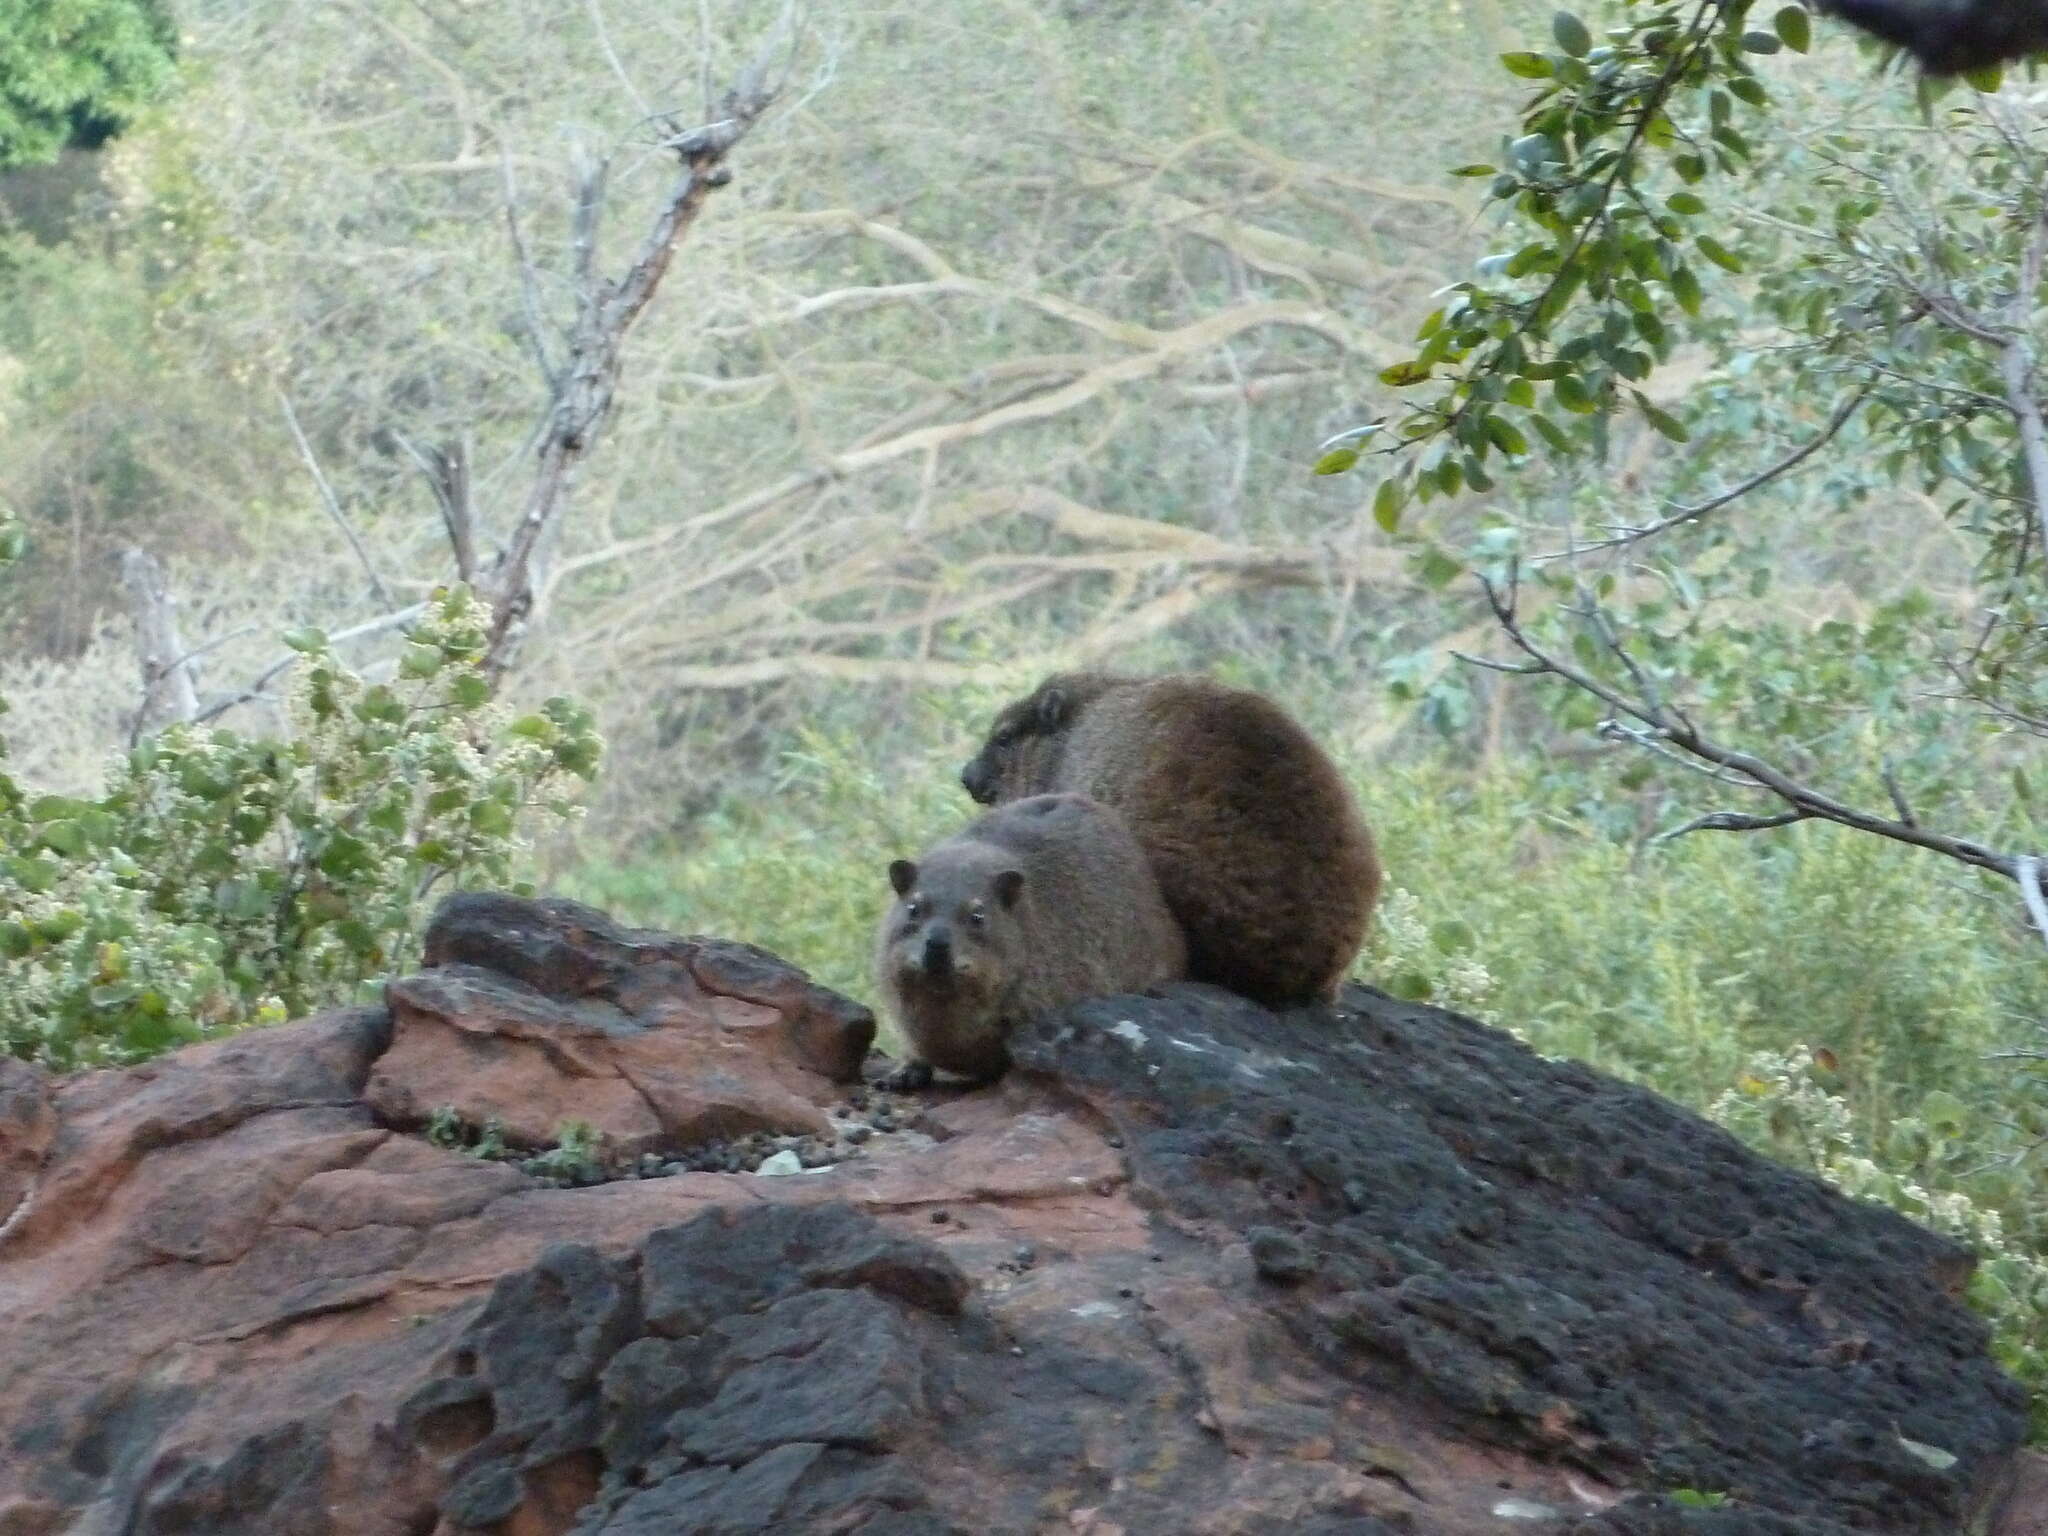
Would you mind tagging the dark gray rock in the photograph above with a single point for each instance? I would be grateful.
(1563, 1262)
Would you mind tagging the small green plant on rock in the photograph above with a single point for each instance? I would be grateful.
(577, 1157)
(221, 880)
(447, 1130)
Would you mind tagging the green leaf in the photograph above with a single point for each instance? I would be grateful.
(442, 801)
(1760, 42)
(1571, 34)
(1944, 1114)
(1986, 80)
(1794, 28)
(1476, 170)
(1529, 66)
(1437, 569)
(1670, 426)
(305, 640)
(1685, 202)
(470, 691)
(1571, 393)
(491, 817)
(1453, 936)
(64, 837)
(1506, 436)
(1386, 504)
(1401, 375)
(1553, 435)
(1718, 253)
(1693, 1498)
(1685, 288)
(1411, 986)
(420, 661)
(1336, 461)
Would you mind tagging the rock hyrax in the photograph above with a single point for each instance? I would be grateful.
(1037, 904)
(1256, 841)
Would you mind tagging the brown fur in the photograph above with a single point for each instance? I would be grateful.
(1036, 905)
(1256, 841)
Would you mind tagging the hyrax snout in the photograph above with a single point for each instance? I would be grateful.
(1251, 831)
(1036, 905)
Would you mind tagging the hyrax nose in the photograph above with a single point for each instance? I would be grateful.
(974, 778)
(938, 953)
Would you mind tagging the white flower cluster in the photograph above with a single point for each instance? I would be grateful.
(1410, 954)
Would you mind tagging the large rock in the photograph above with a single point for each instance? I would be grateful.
(537, 1013)
(1193, 1268)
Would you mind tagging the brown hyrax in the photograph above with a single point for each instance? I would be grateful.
(1255, 839)
(1038, 904)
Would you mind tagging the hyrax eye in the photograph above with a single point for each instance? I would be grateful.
(977, 917)
(913, 909)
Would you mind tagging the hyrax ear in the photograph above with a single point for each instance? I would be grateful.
(1008, 884)
(1055, 708)
(902, 875)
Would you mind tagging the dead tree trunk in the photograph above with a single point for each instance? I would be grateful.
(584, 386)
(170, 673)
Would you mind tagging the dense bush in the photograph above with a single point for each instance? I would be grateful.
(221, 879)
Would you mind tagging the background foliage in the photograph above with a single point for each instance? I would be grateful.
(74, 71)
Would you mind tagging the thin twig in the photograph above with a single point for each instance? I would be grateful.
(604, 41)
(332, 502)
(1517, 668)
(1899, 802)
(447, 474)
(1791, 461)
(529, 278)
(1683, 734)
(1734, 821)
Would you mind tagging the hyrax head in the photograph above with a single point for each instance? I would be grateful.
(954, 926)
(1022, 753)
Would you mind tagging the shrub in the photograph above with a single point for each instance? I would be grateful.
(221, 879)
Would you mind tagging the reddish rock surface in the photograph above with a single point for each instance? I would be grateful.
(651, 1040)
(1191, 1268)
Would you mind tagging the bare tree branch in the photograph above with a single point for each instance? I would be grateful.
(1735, 821)
(605, 314)
(333, 503)
(447, 474)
